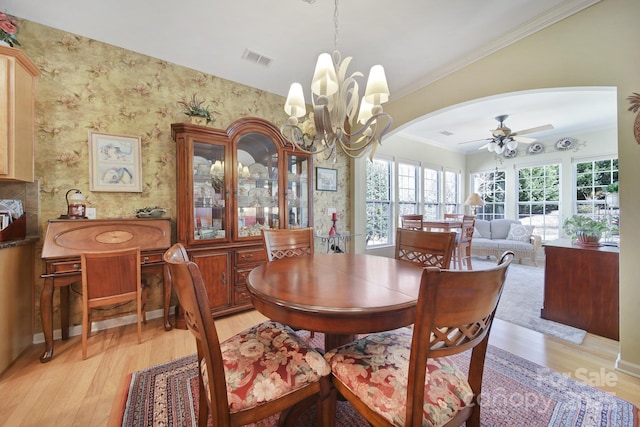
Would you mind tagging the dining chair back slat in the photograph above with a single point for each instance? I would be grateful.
(427, 248)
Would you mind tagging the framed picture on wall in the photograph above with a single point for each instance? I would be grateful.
(115, 163)
(326, 179)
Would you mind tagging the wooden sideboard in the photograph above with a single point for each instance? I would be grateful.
(67, 239)
(581, 287)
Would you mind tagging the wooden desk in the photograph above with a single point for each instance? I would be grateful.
(338, 294)
(581, 287)
(67, 239)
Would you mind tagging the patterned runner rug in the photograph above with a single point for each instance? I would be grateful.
(516, 392)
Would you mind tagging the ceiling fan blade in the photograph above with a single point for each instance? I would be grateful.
(524, 139)
(484, 146)
(533, 130)
(475, 140)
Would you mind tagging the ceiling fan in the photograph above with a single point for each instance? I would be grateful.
(503, 138)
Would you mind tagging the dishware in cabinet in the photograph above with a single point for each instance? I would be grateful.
(231, 184)
(298, 190)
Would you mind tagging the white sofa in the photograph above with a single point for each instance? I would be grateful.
(492, 238)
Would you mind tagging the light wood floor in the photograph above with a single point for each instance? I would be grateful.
(68, 391)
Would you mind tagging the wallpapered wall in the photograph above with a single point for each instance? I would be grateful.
(87, 86)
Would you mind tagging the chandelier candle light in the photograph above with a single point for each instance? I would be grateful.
(339, 123)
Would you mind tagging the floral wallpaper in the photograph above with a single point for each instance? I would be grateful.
(87, 85)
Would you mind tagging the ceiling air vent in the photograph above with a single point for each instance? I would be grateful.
(252, 56)
(446, 133)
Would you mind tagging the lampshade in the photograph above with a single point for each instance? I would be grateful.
(325, 82)
(377, 91)
(474, 199)
(294, 106)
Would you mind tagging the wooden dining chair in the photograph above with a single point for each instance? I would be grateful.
(110, 277)
(411, 221)
(254, 374)
(462, 246)
(455, 216)
(287, 243)
(427, 248)
(454, 313)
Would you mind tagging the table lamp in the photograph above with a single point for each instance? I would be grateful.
(474, 200)
(76, 207)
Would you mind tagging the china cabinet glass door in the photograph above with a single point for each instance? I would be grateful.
(209, 199)
(257, 189)
(297, 191)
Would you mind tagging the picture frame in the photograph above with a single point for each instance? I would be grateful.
(115, 163)
(326, 179)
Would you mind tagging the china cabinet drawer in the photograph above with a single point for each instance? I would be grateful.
(250, 256)
(151, 259)
(241, 295)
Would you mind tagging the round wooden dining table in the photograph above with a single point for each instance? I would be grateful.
(340, 295)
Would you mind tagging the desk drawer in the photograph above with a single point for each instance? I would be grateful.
(250, 256)
(66, 267)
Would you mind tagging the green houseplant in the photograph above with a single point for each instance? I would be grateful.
(585, 230)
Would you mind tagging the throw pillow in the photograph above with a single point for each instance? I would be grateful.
(520, 232)
(476, 233)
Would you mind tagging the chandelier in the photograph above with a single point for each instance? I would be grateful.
(336, 121)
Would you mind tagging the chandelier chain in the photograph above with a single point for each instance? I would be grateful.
(335, 26)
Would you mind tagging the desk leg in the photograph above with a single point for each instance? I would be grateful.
(46, 314)
(166, 287)
(64, 312)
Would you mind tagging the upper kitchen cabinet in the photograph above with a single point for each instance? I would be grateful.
(17, 135)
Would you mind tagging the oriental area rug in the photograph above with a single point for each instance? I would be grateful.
(516, 392)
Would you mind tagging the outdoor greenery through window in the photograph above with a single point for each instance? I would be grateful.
(431, 193)
(491, 187)
(407, 188)
(592, 179)
(378, 201)
(451, 191)
(539, 199)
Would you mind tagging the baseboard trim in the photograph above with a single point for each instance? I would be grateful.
(102, 325)
(627, 367)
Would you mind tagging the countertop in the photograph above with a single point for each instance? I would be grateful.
(13, 243)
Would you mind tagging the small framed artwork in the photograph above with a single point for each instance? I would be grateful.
(115, 163)
(326, 179)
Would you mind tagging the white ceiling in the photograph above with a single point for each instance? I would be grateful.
(417, 41)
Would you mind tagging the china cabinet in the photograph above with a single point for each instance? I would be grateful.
(231, 184)
(17, 136)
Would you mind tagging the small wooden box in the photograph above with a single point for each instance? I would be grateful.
(17, 230)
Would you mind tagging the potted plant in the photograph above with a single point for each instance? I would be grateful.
(194, 109)
(584, 230)
(612, 198)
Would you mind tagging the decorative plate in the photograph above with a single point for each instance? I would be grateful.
(510, 154)
(564, 144)
(535, 148)
(258, 170)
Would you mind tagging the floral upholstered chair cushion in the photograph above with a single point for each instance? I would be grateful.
(265, 362)
(375, 369)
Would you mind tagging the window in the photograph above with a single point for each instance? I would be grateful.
(407, 188)
(539, 199)
(451, 191)
(431, 193)
(592, 178)
(378, 201)
(491, 187)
